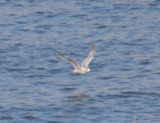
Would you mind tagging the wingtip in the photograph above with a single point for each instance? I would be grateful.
(94, 46)
(56, 54)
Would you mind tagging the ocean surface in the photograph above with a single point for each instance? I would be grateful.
(36, 86)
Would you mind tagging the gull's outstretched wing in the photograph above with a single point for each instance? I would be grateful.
(73, 62)
(88, 59)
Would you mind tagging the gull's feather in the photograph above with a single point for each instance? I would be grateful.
(84, 68)
(88, 59)
(73, 62)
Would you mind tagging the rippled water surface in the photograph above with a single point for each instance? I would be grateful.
(124, 83)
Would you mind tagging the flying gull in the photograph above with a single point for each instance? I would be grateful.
(84, 67)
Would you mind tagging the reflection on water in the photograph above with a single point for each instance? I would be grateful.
(124, 82)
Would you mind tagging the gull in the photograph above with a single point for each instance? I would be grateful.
(84, 67)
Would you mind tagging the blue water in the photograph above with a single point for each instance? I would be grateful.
(124, 83)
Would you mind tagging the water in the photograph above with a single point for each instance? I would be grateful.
(124, 83)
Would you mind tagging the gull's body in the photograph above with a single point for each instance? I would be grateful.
(84, 67)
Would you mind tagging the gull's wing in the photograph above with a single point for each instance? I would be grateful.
(88, 59)
(73, 62)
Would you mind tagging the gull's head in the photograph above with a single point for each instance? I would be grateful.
(84, 69)
(88, 70)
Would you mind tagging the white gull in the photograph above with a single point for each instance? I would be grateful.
(84, 67)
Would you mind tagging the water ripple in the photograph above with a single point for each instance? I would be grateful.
(124, 81)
